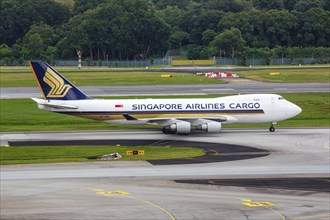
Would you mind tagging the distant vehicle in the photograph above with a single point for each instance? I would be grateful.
(177, 116)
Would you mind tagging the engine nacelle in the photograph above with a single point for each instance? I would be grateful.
(181, 127)
(213, 127)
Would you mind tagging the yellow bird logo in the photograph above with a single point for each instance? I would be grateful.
(58, 88)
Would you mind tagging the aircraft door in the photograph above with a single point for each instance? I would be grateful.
(273, 110)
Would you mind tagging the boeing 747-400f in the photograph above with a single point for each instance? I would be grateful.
(177, 116)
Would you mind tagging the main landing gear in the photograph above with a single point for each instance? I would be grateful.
(272, 128)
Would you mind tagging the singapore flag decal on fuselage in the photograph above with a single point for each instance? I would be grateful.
(177, 116)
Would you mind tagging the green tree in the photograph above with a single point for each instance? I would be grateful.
(178, 39)
(230, 40)
(197, 20)
(251, 24)
(32, 46)
(208, 36)
(6, 54)
(227, 5)
(269, 4)
(305, 5)
(171, 15)
(83, 5)
(36, 40)
(50, 54)
(289, 4)
(17, 16)
(64, 49)
(312, 29)
(45, 31)
(161, 4)
(127, 29)
(279, 25)
(263, 28)
(198, 52)
(5, 51)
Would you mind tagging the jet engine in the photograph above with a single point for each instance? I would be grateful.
(214, 127)
(181, 127)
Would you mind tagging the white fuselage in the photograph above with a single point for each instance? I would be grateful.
(254, 108)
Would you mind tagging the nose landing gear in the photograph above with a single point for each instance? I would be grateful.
(272, 128)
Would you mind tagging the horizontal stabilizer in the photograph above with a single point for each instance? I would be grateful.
(53, 105)
(60, 106)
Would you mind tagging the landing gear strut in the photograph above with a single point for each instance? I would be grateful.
(272, 128)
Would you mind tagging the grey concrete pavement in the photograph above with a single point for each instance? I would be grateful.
(138, 190)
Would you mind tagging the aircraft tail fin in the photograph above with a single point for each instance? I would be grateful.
(53, 85)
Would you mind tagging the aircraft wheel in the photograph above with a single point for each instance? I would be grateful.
(165, 131)
(271, 129)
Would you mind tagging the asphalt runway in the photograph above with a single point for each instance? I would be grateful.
(235, 86)
(139, 190)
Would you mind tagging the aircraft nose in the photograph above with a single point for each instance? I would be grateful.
(295, 110)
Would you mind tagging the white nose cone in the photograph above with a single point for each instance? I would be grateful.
(294, 110)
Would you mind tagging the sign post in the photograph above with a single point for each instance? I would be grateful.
(79, 53)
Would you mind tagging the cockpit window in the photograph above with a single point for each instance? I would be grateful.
(280, 98)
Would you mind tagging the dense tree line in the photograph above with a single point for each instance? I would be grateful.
(140, 29)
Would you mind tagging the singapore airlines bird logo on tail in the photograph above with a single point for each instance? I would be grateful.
(58, 88)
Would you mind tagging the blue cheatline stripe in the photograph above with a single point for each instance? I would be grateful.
(258, 111)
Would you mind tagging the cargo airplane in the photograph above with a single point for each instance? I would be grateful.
(177, 116)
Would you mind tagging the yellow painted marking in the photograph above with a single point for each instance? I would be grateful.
(277, 212)
(267, 205)
(123, 193)
(250, 203)
(98, 190)
(256, 204)
(312, 216)
(110, 193)
(155, 205)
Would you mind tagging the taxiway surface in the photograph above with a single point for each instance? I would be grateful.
(139, 190)
(235, 86)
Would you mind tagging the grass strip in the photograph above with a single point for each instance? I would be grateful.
(56, 154)
(289, 75)
(11, 76)
(111, 79)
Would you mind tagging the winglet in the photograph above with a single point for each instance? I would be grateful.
(53, 85)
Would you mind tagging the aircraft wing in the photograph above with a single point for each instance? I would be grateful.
(192, 120)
